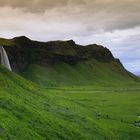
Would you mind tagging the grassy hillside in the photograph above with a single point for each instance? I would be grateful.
(69, 92)
(83, 73)
(79, 113)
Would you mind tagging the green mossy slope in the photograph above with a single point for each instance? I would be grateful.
(80, 113)
(85, 73)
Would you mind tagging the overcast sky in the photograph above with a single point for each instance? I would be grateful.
(112, 23)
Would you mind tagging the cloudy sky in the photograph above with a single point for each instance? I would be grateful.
(112, 23)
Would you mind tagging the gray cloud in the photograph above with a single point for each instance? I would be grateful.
(33, 5)
(95, 14)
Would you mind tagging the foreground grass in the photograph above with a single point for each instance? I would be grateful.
(29, 112)
(70, 114)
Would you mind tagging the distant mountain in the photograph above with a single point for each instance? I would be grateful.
(63, 62)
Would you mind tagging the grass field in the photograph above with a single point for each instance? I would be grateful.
(92, 111)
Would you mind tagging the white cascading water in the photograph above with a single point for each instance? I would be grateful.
(4, 58)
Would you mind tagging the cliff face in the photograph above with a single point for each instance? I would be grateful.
(22, 52)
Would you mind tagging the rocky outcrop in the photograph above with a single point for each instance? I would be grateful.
(22, 52)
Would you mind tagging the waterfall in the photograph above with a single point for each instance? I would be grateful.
(4, 58)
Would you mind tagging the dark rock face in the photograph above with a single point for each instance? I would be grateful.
(24, 52)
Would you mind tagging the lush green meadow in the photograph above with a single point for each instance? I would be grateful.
(92, 111)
